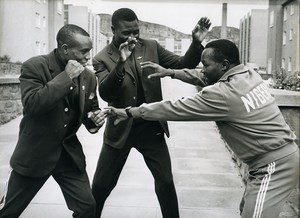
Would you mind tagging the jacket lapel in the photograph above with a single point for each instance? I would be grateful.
(55, 69)
(82, 90)
(138, 56)
(53, 65)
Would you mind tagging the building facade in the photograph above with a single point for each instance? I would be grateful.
(28, 28)
(253, 38)
(283, 36)
(88, 21)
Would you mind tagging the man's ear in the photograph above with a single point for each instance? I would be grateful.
(113, 29)
(225, 65)
(64, 48)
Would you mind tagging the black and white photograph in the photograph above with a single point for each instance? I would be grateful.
(149, 108)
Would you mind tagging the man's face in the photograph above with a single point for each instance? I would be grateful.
(80, 50)
(124, 29)
(212, 70)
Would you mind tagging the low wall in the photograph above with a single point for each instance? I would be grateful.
(289, 105)
(10, 99)
(10, 94)
(8, 69)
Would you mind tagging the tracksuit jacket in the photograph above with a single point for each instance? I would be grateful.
(247, 116)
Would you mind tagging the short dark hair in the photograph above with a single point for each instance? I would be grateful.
(66, 34)
(125, 14)
(224, 49)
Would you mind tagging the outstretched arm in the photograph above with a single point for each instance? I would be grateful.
(208, 105)
(191, 76)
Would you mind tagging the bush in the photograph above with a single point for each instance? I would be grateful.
(4, 58)
(282, 80)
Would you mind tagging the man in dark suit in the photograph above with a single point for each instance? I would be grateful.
(58, 95)
(122, 83)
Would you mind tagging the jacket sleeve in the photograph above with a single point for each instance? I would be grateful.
(207, 105)
(190, 60)
(38, 94)
(192, 57)
(191, 76)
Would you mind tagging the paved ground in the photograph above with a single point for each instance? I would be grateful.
(206, 179)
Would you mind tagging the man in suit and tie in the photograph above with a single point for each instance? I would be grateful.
(58, 95)
(123, 83)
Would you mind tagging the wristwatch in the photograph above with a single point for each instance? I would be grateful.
(128, 112)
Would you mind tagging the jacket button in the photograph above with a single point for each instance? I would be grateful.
(134, 97)
(65, 125)
(66, 109)
(71, 88)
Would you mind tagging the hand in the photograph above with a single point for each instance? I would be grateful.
(159, 71)
(98, 117)
(202, 79)
(74, 69)
(120, 114)
(201, 29)
(127, 47)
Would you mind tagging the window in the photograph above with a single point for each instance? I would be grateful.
(37, 48)
(291, 34)
(283, 63)
(269, 67)
(44, 21)
(44, 48)
(37, 20)
(285, 13)
(292, 10)
(271, 18)
(290, 64)
(284, 38)
(59, 4)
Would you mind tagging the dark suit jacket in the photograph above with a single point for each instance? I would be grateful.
(43, 127)
(122, 93)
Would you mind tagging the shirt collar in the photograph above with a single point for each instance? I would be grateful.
(59, 61)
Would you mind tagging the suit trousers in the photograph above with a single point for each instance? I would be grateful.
(148, 138)
(74, 184)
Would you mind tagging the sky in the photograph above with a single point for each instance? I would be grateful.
(181, 15)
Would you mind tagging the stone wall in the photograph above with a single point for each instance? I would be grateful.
(10, 95)
(10, 70)
(289, 105)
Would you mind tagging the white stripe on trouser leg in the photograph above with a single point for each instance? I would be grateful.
(3, 198)
(262, 191)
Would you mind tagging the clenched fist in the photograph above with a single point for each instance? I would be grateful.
(74, 69)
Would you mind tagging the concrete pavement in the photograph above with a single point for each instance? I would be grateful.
(206, 179)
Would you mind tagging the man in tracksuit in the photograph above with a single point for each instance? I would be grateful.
(248, 118)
